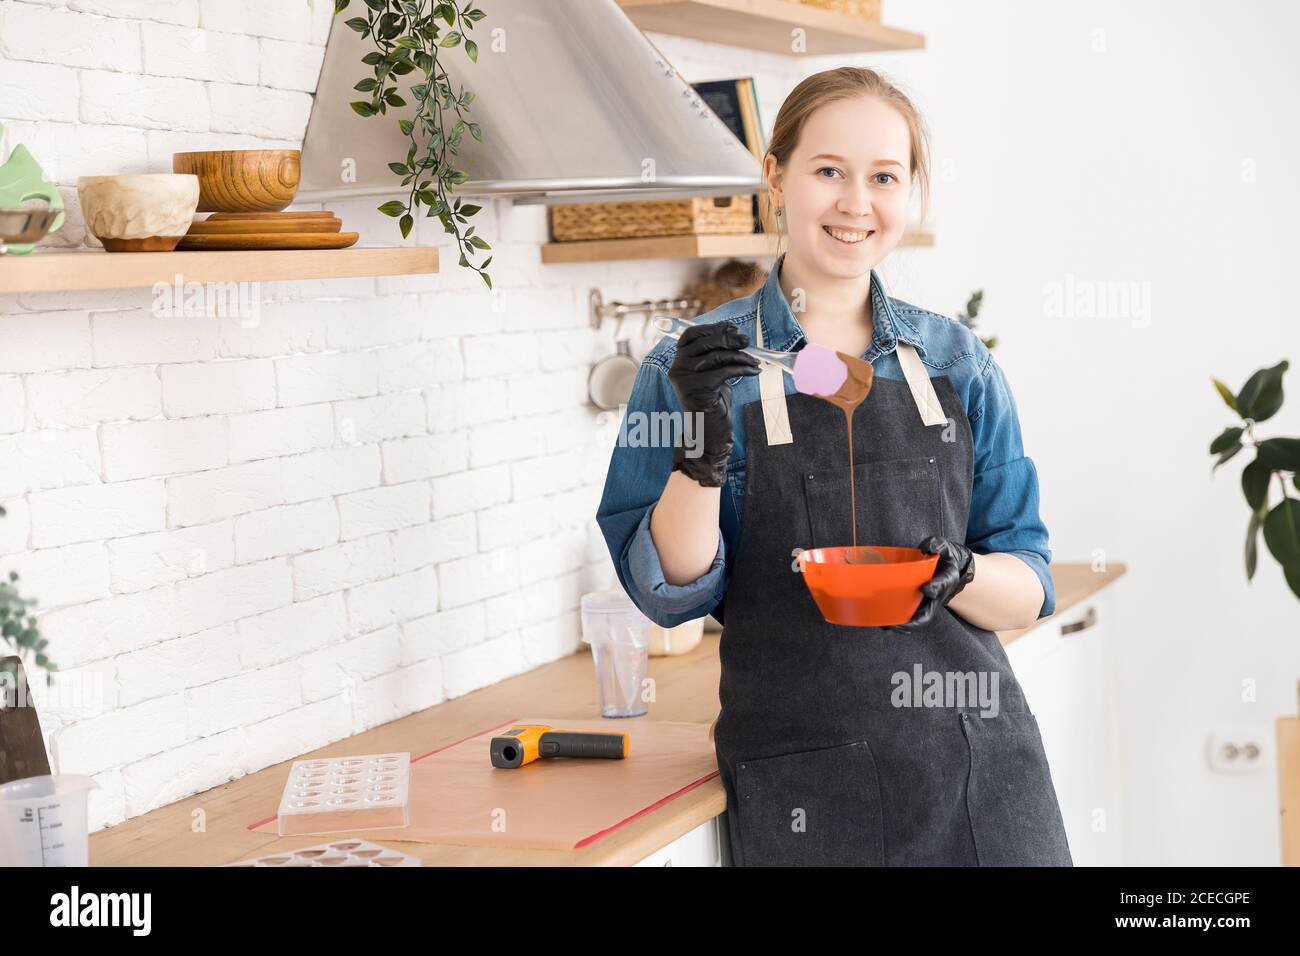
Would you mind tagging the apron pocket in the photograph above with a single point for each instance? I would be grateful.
(810, 808)
(899, 503)
(1015, 818)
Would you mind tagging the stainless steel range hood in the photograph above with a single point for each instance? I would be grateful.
(575, 105)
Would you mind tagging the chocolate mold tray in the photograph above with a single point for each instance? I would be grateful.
(342, 853)
(331, 794)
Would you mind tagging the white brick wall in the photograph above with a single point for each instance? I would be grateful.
(254, 538)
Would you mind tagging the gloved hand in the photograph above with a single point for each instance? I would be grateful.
(707, 355)
(956, 569)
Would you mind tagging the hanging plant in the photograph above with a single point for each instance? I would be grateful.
(18, 625)
(1275, 458)
(408, 38)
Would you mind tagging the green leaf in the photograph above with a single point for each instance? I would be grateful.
(406, 223)
(402, 68)
(1229, 399)
(1228, 438)
(362, 109)
(405, 125)
(1252, 545)
(1261, 396)
(1227, 455)
(1292, 574)
(451, 39)
(393, 208)
(393, 99)
(360, 24)
(376, 5)
(469, 209)
(400, 169)
(366, 85)
(407, 42)
(486, 278)
(1254, 484)
(340, 6)
(1282, 532)
(479, 243)
(471, 50)
(476, 131)
(373, 57)
(1280, 454)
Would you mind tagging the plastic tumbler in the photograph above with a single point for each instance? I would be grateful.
(618, 634)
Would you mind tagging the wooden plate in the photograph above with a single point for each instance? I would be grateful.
(271, 240)
(272, 216)
(205, 227)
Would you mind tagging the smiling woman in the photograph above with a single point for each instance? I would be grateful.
(820, 764)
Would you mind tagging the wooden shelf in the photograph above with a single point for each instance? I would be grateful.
(95, 269)
(681, 247)
(766, 25)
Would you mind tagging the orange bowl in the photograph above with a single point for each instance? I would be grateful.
(867, 586)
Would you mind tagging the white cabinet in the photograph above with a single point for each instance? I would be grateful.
(1067, 670)
(699, 847)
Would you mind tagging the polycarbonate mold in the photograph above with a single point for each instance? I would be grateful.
(331, 794)
(341, 853)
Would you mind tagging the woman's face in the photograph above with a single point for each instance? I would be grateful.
(846, 186)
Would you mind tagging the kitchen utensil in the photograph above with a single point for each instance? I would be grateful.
(346, 793)
(242, 180)
(43, 821)
(291, 224)
(866, 586)
(616, 631)
(138, 212)
(816, 370)
(23, 227)
(341, 853)
(610, 381)
(270, 240)
(22, 746)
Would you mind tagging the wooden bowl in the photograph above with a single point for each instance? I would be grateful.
(242, 180)
(138, 212)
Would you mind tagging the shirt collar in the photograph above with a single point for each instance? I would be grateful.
(782, 331)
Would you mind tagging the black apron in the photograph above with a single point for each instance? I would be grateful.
(819, 766)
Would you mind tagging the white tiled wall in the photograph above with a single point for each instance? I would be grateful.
(250, 540)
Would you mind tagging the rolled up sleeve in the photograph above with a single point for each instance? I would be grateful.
(1004, 511)
(638, 472)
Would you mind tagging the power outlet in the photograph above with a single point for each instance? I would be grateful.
(1238, 748)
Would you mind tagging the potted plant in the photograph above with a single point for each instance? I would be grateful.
(18, 625)
(967, 318)
(409, 39)
(1276, 465)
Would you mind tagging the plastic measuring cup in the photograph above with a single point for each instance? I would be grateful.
(43, 821)
(620, 645)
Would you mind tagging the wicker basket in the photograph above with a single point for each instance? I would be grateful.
(655, 217)
(867, 9)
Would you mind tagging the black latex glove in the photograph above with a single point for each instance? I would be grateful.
(956, 569)
(707, 355)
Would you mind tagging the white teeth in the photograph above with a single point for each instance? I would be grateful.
(843, 236)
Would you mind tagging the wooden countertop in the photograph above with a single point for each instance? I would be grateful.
(687, 691)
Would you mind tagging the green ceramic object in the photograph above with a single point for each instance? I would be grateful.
(21, 180)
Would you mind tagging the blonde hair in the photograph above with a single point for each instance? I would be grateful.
(829, 86)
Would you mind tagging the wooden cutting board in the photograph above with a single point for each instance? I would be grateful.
(270, 240)
(22, 748)
(458, 797)
(206, 227)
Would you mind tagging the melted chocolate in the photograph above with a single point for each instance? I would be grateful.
(855, 388)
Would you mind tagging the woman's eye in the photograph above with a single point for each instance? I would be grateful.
(825, 168)
(890, 175)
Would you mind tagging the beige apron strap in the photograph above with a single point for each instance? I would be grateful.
(918, 380)
(771, 389)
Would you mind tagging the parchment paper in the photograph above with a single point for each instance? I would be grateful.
(457, 796)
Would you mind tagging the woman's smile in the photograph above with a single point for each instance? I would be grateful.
(848, 237)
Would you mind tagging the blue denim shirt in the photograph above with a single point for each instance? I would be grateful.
(1004, 498)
